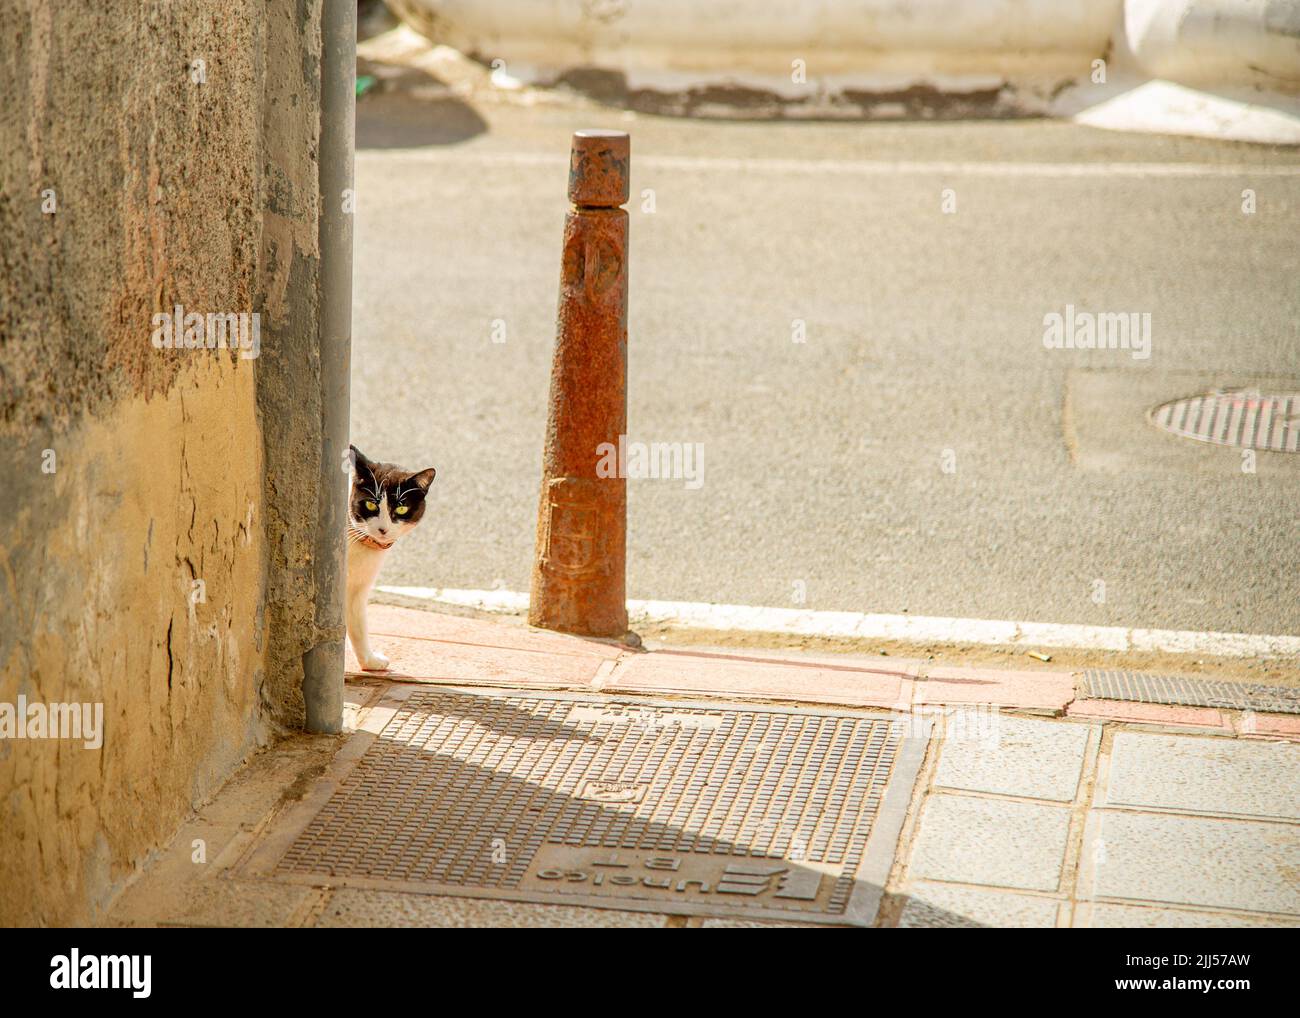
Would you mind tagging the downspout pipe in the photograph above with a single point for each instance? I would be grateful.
(322, 684)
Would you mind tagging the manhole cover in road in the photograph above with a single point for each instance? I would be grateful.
(1247, 419)
(685, 808)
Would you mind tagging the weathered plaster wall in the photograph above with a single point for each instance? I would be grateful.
(170, 467)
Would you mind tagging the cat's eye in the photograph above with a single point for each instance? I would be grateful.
(402, 510)
(371, 507)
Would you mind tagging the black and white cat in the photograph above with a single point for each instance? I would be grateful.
(386, 503)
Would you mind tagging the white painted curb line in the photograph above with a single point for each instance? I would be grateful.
(905, 628)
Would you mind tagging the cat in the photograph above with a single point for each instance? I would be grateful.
(386, 503)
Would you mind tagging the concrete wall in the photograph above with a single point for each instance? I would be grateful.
(883, 58)
(844, 45)
(149, 555)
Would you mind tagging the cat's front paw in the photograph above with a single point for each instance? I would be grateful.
(375, 663)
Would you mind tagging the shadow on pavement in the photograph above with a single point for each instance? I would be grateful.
(411, 109)
(416, 810)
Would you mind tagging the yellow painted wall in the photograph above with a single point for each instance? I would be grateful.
(169, 466)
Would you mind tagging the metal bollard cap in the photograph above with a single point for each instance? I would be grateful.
(598, 168)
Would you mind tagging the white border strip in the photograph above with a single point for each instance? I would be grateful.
(904, 628)
(850, 167)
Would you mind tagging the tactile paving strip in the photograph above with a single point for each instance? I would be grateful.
(1142, 687)
(725, 810)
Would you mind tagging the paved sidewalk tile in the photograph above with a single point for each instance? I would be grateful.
(1285, 726)
(1204, 775)
(431, 647)
(1034, 690)
(988, 841)
(1240, 865)
(425, 660)
(885, 685)
(202, 901)
(1007, 755)
(409, 622)
(360, 907)
(1151, 714)
(1135, 917)
(950, 905)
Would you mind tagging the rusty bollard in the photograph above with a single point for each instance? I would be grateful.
(579, 570)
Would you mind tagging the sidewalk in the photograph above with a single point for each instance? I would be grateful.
(512, 777)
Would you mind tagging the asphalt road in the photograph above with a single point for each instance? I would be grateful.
(824, 461)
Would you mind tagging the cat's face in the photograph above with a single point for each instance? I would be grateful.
(386, 501)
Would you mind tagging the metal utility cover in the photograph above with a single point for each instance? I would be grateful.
(1142, 687)
(688, 808)
(1247, 419)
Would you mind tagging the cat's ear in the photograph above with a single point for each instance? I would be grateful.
(361, 466)
(424, 478)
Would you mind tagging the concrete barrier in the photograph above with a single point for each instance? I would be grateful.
(1227, 69)
(1220, 68)
(1216, 43)
(791, 50)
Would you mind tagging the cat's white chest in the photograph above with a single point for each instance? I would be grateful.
(363, 565)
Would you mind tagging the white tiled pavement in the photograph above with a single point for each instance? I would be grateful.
(1036, 822)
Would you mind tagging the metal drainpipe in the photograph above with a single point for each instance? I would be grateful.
(322, 684)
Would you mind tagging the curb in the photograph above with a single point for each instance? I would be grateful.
(918, 629)
(443, 649)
